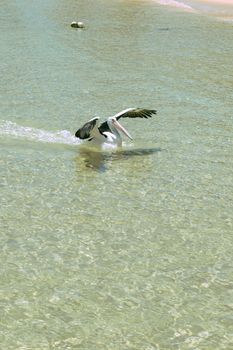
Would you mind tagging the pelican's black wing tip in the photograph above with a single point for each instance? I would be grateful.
(150, 112)
(136, 113)
(145, 113)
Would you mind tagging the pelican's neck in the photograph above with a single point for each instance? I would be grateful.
(115, 132)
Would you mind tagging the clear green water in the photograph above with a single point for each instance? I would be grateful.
(129, 250)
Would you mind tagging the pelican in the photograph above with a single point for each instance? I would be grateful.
(108, 133)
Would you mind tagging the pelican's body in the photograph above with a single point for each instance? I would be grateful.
(108, 133)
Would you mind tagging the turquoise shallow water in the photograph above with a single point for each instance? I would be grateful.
(126, 250)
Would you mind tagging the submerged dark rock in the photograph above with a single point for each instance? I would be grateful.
(164, 29)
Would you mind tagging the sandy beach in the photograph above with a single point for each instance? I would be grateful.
(215, 3)
(218, 8)
(220, 2)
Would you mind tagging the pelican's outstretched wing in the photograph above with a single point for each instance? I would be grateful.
(135, 113)
(129, 113)
(88, 129)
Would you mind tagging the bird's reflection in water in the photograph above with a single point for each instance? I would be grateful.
(93, 159)
(98, 160)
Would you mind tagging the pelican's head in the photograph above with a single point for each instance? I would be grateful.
(112, 121)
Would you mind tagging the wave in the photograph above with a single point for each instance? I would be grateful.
(33, 134)
(175, 3)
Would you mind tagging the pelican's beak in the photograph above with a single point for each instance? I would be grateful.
(121, 128)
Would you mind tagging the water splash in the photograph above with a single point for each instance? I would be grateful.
(12, 129)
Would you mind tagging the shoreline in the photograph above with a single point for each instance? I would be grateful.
(222, 9)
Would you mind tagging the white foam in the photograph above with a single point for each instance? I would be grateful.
(175, 3)
(12, 129)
